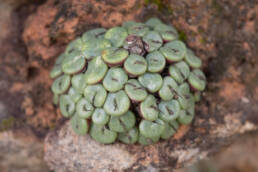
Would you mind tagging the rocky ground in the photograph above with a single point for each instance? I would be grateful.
(222, 33)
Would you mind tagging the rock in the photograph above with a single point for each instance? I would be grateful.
(241, 155)
(66, 151)
(21, 151)
(246, 146)
(221, 33)
(228, 107)
(45, 33)
(85, 153)
(20, 80)
(33, 33)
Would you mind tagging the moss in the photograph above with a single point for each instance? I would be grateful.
(202, 40)
(7, 123)
(156, 2)
(182, 36)
(217, 7)
(161, 4)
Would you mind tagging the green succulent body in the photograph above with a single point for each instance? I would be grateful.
(136, 83)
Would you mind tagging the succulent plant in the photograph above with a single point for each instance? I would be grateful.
(135, 83)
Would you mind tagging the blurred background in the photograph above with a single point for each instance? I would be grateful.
(223, 33)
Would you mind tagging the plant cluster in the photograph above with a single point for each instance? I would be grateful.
(136, 83)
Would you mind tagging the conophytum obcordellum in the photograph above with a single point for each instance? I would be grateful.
(136, 83)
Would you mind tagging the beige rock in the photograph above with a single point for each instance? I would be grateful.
(21, 151)
(84, 153)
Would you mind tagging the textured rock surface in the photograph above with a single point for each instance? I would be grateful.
(222, 33)
(238, 157)
(85, 153)
(45, 32)
(227, 109)
(21, 151)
